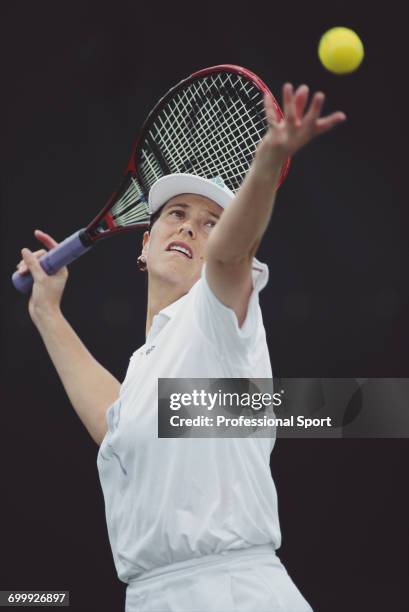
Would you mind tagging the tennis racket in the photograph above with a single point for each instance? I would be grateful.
(209, 124)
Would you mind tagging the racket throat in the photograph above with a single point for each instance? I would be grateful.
(85, 238)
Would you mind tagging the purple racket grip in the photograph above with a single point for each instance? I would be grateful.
(64, 253)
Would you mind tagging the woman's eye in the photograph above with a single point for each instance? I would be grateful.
(177, 213)
(211, 223)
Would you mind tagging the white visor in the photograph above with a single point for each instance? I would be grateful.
(172, 185)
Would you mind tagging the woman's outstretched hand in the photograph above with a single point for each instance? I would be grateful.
(286, 136)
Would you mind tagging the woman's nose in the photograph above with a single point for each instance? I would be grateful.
(186, 227)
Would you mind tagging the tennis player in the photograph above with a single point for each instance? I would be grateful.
(192, 522)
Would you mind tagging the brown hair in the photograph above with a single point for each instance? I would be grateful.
(141, 263)
(155, 217)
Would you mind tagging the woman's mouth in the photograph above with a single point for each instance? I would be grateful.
(182, 248)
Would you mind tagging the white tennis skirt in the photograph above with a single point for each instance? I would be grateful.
(248, 580)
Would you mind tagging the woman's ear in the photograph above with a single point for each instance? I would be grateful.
(145, 243)
(141, 260)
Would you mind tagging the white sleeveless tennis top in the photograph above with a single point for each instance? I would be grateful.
(173, 499)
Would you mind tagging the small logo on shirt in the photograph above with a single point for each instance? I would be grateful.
(150, 349)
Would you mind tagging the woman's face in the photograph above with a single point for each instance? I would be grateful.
(176, 245)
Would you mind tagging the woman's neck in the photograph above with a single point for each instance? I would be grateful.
(160, 295)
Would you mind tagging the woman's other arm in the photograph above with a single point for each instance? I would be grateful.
(237, 235)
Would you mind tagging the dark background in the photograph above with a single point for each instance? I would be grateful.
(77, 81)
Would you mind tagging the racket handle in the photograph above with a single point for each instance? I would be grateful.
(64, 253)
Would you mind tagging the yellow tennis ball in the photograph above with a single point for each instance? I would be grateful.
(341, 50)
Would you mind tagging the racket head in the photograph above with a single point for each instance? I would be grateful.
(208, 124)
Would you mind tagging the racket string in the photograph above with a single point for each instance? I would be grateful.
(233, 125)
(208, 127)
(207, 154)
(131, 207)
(228, 129)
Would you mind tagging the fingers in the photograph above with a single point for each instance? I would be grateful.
(33, 265)
(327, 123)
(315, 109)
(294, 103)
(46, 239)
(288, 103)
(270, 110)
(301, 97)
(22, 267)
(297, 128)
